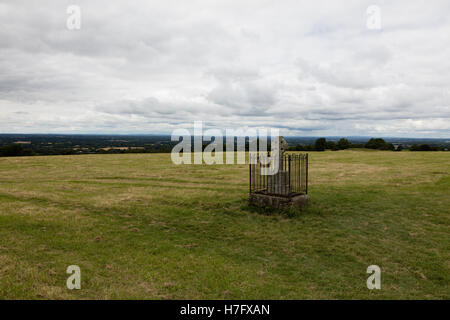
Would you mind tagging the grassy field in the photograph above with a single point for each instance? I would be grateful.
(140, 227)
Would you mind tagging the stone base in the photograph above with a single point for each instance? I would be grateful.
(265, 200)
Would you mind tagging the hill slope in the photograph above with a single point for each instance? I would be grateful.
(140, 227)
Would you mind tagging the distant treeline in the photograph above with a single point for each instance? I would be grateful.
(29, 144)
(322, 144)
(425, 147)
(15, 150)
(11, 146)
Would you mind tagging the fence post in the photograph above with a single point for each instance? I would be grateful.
(289, 185)
(250, 170)
(307, 173)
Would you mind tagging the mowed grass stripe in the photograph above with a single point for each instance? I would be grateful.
(187, 231)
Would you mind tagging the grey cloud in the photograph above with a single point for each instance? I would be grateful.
(245, 98)
(306, 67)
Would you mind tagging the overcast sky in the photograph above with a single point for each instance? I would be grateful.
(310, 68)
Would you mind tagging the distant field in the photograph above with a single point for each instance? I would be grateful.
(140, 227)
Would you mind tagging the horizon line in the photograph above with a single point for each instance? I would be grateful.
(168, 134)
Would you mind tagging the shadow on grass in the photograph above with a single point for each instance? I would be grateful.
(289, 212)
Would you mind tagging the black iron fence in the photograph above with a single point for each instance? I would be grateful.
(290, 179)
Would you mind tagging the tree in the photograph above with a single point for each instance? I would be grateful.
(399, 148)
(12, 150)
(343, 144)
(320, 144)
(388, 146)
(424, 147)
(331, 145)
(375, 143)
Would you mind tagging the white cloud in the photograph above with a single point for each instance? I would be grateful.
(310, 68)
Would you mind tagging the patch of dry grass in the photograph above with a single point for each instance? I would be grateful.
(141, 227)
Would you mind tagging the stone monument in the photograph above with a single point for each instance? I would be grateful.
(287, 186)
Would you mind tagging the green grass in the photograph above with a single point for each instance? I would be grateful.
(140, 227)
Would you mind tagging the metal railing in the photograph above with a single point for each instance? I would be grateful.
(290, 180)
